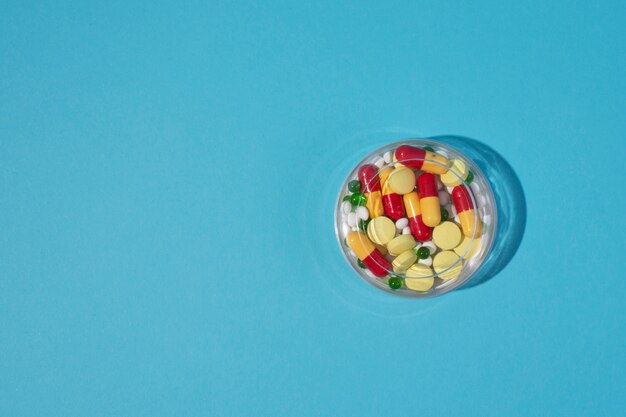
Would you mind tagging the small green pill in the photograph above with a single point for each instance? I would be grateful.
(357, 199)
(354, 186)
(361, 264)
(346, 198)
(423, 252)
(363, 224)
(470, 177)
(345, 242)
(444, 214)
(394, 283)
(429, 148)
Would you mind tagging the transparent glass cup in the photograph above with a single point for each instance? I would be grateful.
(472, 249)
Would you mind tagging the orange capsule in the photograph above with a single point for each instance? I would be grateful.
(370, 184)
(392, 202)
(368, 254)
(429, 199)
(420, 231)
(417, 158)
(465, 211)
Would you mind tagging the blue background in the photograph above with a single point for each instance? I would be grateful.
(168, 174)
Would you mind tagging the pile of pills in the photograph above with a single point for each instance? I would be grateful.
(414, 217)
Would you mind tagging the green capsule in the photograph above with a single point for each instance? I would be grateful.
(361, 264)
(394, 283)
(423, 252)
(357, 199)
(429, 148)
(470, 177)
(444, 214)
(354, 186)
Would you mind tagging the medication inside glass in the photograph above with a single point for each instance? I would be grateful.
(416, 218)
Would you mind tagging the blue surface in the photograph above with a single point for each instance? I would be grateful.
(168, 173)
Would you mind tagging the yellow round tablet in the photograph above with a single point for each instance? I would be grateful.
(400, 244)
(449, 179)
(415, 278)
(381, 230)
(444, 260)
(468, 248)
(404, 261)
(446, 236)
(402, 180)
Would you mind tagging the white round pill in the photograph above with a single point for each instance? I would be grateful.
(387, 157)
(352, 219)
(402, 223)
(362, 213)
(346, 207)
(379, 163)
(487, 219)
(406, 231)
(439, 183)
(428, 261)
(475, 188)
(444, 198)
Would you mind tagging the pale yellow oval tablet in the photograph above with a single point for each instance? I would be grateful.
(446, 236)
(449, 179)
(469, 246)
(414, 278)
(400, 244)
(381, 230)
(404, 261)
(402, 180)
(444, 260)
